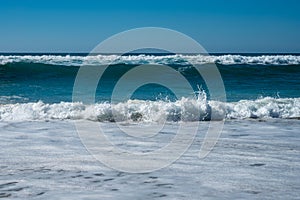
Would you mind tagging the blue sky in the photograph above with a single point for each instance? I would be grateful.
(219, 25)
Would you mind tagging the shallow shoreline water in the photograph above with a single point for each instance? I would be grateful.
(252, 160)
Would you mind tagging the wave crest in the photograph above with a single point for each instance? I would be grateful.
(152, 59)
(154, 111)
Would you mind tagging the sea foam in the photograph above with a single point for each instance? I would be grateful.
(70, 60)
(184, 109)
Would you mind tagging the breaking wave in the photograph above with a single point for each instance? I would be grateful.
(154, 111)
(72, 60)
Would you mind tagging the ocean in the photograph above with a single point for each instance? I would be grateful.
(256, 155)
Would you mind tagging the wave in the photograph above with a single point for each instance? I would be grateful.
(69, 60)
(184, 109)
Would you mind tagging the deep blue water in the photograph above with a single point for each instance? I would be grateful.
(38, 77)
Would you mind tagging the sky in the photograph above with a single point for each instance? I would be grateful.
(252, 26)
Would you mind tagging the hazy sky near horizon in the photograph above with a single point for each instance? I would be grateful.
(218, 25)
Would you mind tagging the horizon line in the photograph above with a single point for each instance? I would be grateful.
(146, 53)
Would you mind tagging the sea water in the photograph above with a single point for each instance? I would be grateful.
(257, 154)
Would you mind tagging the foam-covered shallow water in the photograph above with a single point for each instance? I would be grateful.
(252, 160)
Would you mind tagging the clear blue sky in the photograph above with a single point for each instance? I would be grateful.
(219, 25)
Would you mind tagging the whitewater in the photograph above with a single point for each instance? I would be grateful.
(154, 111)
(75, 60)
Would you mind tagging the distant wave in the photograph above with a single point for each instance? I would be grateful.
(68, 60)
(154, 111)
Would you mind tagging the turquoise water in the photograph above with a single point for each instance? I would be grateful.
(37, 79)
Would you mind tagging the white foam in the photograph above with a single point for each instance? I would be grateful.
(150, 59)
(153, 111)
